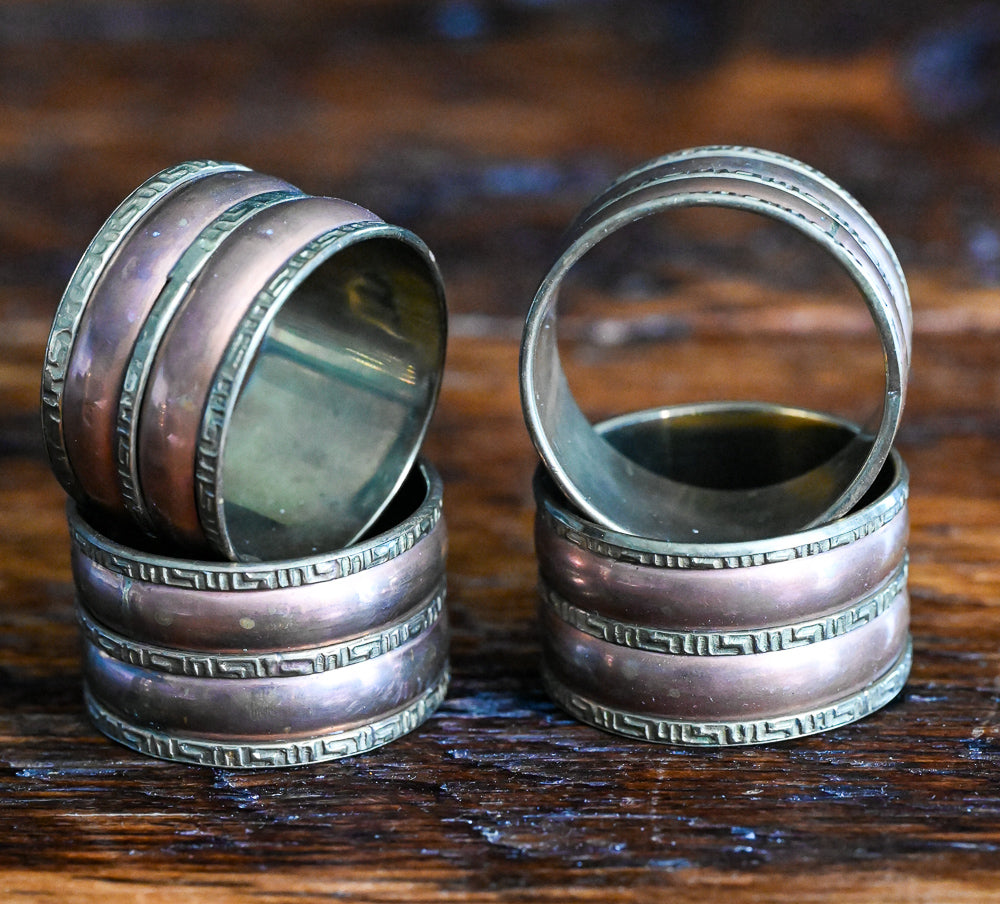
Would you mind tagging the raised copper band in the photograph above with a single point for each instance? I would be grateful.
(706, 598)
(116, 311)
(269, 753)
(725, 688)
(770, 730)
(258, 708)
(227, 607)
(720, 587)
(337, 653)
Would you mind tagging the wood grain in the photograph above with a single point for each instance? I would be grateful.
(484, 126)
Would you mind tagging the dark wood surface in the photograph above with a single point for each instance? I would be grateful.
(484, 126)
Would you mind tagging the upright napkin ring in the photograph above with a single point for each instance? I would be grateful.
(618, 493)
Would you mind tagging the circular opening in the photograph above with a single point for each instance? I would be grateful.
(335, 403)
(707, 303)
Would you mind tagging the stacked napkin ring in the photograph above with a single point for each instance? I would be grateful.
(759, 597)
(608, 486)
(236, 387)
(283, 663)
(721, 644)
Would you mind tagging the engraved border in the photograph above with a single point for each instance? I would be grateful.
(271, 664)
(802, 170)
(69, 313)
(813, 228)
(728, 643)
(179, 281)
(734, 734)
(664, 554)
(261, 754)
(240, 577)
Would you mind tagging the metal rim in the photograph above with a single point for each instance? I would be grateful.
(239, 357)
(249, 577)
(667, 554)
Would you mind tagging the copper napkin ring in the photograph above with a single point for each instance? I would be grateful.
(614, 491)
(241, 369)
(276, 664)
(725, 644)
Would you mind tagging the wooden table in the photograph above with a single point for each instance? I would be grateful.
(484, 126)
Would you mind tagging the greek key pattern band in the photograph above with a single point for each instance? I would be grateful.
(604, 549)
(728, 643)
(67, 318)
(239, 354)
(201, 576)
(262, 754)
(183, 274)
(262, 665)
(732, 734)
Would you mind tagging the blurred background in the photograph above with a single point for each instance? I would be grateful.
(484, 126)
